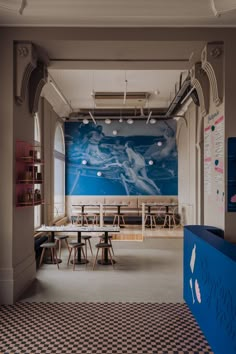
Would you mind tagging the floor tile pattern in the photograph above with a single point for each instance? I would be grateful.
(112, 328)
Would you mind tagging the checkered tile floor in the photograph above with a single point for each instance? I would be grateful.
(67, 328)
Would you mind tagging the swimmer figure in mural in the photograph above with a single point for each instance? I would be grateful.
(138, 164)
(130, 178)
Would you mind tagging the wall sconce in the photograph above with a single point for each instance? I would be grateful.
(84, 162)
(120, 120)
(150, 162)
(130, 121)
(85, 121)
(152, 121)
(99, 173)
(107, 121)
(159, 143)
(114, 132)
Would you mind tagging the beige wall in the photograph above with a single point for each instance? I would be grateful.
(7, 179)
(17, 266)
(188, 165)
(49, 123)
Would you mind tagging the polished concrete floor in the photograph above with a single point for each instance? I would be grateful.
(145, 271)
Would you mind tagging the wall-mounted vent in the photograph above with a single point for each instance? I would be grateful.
(121, 99)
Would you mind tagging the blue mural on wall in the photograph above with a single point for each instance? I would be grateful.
(99, 163)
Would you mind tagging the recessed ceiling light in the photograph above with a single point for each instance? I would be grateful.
(152, 121)
(130, 121)
(107, 121)
(85, 121)
(150, 162)
(159, 143)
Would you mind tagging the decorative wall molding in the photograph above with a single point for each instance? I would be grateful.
(27, 58)
(200, 82)
(25, 63)
(212, 63)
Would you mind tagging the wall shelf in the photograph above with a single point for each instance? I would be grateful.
(29, 174)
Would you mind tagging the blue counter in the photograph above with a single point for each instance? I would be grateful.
(210, 285)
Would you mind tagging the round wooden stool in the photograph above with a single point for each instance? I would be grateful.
(86, 239)
(75, 246)
(59, 239)
(102, 246)
(52, 247)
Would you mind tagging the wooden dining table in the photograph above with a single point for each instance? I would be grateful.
(82, 229)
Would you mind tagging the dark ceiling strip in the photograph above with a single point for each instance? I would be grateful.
(121, 60)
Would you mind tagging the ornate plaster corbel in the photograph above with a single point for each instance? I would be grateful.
(212, 63)
(25, 63)
(37, 80)
(200, 82)
(27, 59)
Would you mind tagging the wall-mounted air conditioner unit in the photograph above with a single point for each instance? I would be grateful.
(121, 99)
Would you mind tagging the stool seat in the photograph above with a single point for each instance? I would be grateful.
(103, 237)
(76, 244)
(61, 237)
(86, 237)
(48, 245)
(103, 245)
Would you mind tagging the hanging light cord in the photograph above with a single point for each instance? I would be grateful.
(24, 3)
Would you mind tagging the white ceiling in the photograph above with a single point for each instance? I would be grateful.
(119, 13)
(79, 68)
(77, 86)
